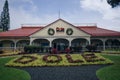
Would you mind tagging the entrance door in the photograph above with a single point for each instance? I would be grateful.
(60, 44)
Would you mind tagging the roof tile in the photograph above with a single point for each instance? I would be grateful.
(21, 32)
(95, 31)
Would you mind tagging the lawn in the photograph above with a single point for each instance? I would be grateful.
(111, 72)
(7, 73)
(34, 60)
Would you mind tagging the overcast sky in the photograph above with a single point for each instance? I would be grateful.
(73, 11)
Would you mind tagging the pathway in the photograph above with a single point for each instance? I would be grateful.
(64, 73)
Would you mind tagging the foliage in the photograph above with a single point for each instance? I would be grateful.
(1, 51)
(91, 48)
(70, 59)
(64, 60)
(111, 72)
(113, 3)
(7, 73)
(76, 49)
(52, 58)
(5, 18)
(32, 49)
(92, 58)
(8, 54)
(25, 59)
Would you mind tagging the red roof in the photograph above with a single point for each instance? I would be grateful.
(26, 31)
(21, 32)
(95, 31)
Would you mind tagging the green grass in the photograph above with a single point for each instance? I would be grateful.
(7, 73)
(111, 72)
(64, 62)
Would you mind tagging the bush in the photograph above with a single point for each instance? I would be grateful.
(91, 48)
(77, 49)
(1, 51)
(31, 49)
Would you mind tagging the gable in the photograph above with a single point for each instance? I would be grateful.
(60, 28)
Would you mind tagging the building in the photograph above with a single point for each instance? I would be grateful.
(61, 33)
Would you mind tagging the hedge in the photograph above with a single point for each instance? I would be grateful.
(32, 49)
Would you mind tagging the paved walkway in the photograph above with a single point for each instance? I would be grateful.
(64, 73)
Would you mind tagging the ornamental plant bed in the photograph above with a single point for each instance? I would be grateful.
(52, 58)
(70, 60)
(25, 59)
(34, 60)
(92, 58)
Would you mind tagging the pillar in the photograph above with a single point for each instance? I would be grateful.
(31, 40)
(69, 43)
(50, 44)
(89, 41)
(103, 44)
(15, 45)
(70, 40)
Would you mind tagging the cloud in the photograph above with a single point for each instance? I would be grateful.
(102, 7)
(22, 14)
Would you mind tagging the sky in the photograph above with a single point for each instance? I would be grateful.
(73, 11)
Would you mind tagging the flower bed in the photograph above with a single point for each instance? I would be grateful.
(92, 58)
(70, 60)
(58, 60)
(52, 58)
(25, 59)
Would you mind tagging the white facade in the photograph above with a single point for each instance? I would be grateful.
(63, 34)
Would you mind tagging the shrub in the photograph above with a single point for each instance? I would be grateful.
(1, 51)
(77, 48)
(31, 49)
(91, 48)
(54, 51)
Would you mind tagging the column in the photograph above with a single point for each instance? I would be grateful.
(89, 42)
(69, 39)
(50, 44)
(103, 44)
(31, 40)
(15, 46)
(69, 43)
(50, 40)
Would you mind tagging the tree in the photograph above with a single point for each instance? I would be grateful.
(114, 3)
(5, 18)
